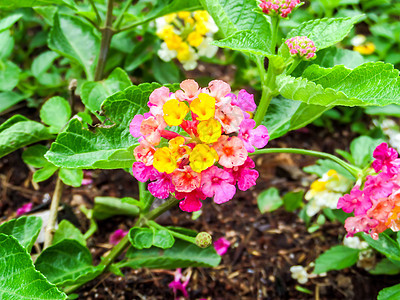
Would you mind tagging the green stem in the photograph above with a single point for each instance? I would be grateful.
(106, 35)
(274, 30)
(173, 233)
(98, 17)
(124, 243)
(117, 22)
(55, 203)
(293, 66)
(133, 25)
(355, 171)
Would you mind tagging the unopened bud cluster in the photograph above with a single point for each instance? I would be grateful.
(280, 8)
(203, 239)
(301, 46)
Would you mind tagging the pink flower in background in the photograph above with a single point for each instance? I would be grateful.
(117, 236)
(179, 283)
(24, 209)
(87, 177)
(244, 100)
(221, 246)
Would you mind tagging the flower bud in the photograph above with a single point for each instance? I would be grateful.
(203, 239)
(302, 47)
(280, 8)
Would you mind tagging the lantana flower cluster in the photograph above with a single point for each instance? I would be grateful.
(376, 206)
(302, 47)
(195, 142)
(280, 8)
(186, 36)
(326, 191)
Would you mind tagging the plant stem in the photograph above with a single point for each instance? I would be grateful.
(274, 30)
(117, 23)
(178, 235)
(98, 17)
(355, 171)
(124, 243)
(293, 66)
(106, 35)
(55, 202)
(133, 25)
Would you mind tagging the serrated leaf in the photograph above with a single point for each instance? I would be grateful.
(163, 239)
(55, 112)
(8, 21)
(66, 230)
(67, 263)
(106, 207)
(269, 200)
(141, 237)
(18, 132)
(325, 32)
(12, 4)
(336, 258)
(181, 255)
(24, 229)
(76, 40)
(390, 293)
(18, 277)
(108, 147)
(8, 99)
(9, 76)
(373, 83)
(93, 93)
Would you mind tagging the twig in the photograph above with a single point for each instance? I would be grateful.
(55, 202)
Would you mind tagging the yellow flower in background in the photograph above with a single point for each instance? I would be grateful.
(183, 52)
(174, 112)
(170, 18)
(195, 39)
(203, 106)
(202, 157)
(164, 161)
(209, 131)
(201, 15)
(365, 49)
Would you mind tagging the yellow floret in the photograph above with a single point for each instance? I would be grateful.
(209, 131)
(184, 14)
(201, 15)
(202, 157)
(366, 49)
(174, 112)
(195, 39)
(170, 18)
(164, 161)
(174, 42)
(318, 186)
(201, 28)
(203, 107)
(183, 52)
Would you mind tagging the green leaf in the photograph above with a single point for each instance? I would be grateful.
(43, 62)
(72, 177)
(6, 44)
(18, 132)
(24, 229)
(106, 207)
(163, 239)
(9, 21)
(9, 76)
(18, 277)
(165, 72)
(67, 263)
(390, 293)
(361, 149)
(141, 237)
(392, 110)
(373, 83)
(55, 112)
(93, 93)
(34, 156)
(66, 230)
(44, 173)
(285, 115)
(385, 267)
(12, 4)
(325, 32)
(76, 40)
(181, 255)
(109, 147)
(269, 200)
(8, 99)
(324, 165)
(336, 258)
(385, 245)
(293, 200)
(250, 41)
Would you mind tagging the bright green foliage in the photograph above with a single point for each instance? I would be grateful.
(181, 255)
(55, 112)
(146, 237)
(18, 132)
(93, 93)
(8, 99)
(293, 200)
(72, 177)
(325, 32)
(385, 267)
(385, 245)
(109, 147)
(6, 44)
(390, 293)
(361, 150)
(24, 229)
(66, 230)
(66, 263)
(34, 156)
(9, 75)
(369, 84)
(40, 67)
(336, 258)
(16, 268)
(8, 21)
(106, 207)
(269, 200)
(76, 40)
(12, 4)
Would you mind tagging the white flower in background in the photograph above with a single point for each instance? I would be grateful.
(186, 36)
(326, 191)
(299, 273)
(392, 131)
(358, 40)
(355, 243)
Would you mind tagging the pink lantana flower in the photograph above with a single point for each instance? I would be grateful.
(186, 180)
(359, 224)
(190, 90)
(162, 186)
(117, 236)
(157, 100)
(219, 89)
(379, 186)
(191, 201)
(251, 138)
(385, 159)
(245, 101)
(244, 175)
(230, 117)
(221, 246)
(145, 153)
(218, 183)
(355, 201)
(231, 151)
(179, 283)
(24, 209)
(144, 173)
